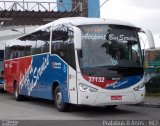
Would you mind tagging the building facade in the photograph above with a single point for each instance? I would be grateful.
(89, 8)
(81, 5)
(94, 8)
(64, 5)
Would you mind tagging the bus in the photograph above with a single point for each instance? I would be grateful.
(81, 61)
(1, 70)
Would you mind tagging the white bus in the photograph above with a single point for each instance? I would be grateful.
(82, 61)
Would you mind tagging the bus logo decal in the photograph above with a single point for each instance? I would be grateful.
(34, 73)
(64, 69)
(56, 65)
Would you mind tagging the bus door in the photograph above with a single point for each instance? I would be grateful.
(63, 46)
(72, 85)
(72, 74)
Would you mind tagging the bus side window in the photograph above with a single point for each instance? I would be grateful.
(45, 47)
(134, 56)
(15, 54)
(43, 38)
(59, 44)
(62, 44)
(60, 48)
(71, 56)
(7, 53)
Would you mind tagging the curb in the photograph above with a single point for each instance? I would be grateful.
(145, 104)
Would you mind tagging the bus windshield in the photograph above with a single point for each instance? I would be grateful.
(109, 46)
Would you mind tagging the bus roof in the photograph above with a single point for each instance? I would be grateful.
(84, 21)
(81, 21)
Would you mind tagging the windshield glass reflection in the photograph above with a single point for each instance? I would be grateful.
(109, 46)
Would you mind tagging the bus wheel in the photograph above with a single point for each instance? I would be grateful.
(2, 91)
(17, 96)
(60, 105)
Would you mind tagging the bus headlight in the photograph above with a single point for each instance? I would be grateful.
(139, 87)
(86, 88)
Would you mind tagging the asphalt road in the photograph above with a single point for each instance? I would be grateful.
(37, 109)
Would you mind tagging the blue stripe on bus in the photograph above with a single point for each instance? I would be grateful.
(44, 71)
(126, 82)
(1, 81)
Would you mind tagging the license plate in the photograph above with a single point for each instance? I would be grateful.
(116, 97)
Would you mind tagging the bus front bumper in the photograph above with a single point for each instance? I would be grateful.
(103, 99)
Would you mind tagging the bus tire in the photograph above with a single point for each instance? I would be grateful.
(2, 91)
(17, 96)
(60, 105)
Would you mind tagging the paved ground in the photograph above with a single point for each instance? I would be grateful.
(153, 102)
(36, 109)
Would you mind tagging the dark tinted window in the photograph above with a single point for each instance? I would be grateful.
(1, 63)
(1, 55)
(62, 44)
(110, 51)
(35, 43)
(71, 55)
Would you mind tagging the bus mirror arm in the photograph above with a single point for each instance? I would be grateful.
(150, 39)
(143, 57)
(77, 38)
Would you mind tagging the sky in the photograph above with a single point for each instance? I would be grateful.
(142, 13)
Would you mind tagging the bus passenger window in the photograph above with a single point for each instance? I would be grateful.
(60, 48)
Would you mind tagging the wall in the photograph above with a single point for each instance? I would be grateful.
(94, 8)
(66, 5)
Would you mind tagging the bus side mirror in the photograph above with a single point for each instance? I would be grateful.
(150, 39)
(77, 38)
(143, 57)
